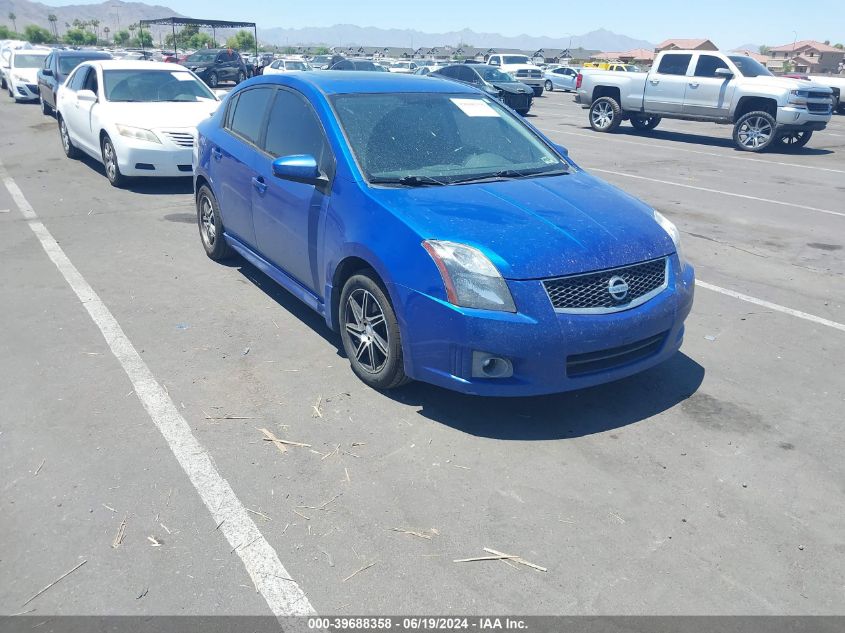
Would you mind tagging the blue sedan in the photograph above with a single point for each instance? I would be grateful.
(439, 233)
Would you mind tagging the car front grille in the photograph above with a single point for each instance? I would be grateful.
(533, 74)
(818, 95)
(32, 88)
(614, 357)
(518, 102)
(182, 139)
(589, 293)
(819, 108)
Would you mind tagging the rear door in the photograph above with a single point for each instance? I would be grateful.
(666, 85)
(236, 157)
(708, 94)
(287, 214)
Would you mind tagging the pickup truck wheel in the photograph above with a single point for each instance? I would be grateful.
(794, 139)
(645, 123)
(755, 131)
(605, 114)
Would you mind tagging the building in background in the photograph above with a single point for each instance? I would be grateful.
(676, 44)
(806, 57)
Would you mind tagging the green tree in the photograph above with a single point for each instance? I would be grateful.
(96, 25)
(787, 67)
(121, 37)
(52, 19)
(5, 33)
(764, 50)
(242, 41)
(839, 46)
(322, 50)
(76, 37)
(144, 38)
(13, 17)
(36, 35)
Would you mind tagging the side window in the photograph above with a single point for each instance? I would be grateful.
(494, 61)
(221, 57)
(91, 82)
(247, 113)
(78, 80)
(451, 72)
(674, 64)
(48, 60)
(707, 65)
(293, 128)
(465, 74)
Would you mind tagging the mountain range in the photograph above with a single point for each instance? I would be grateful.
(117, 14)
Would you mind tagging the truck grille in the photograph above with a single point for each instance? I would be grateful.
(589, 293)
(819, 108)
(819, 95)
(182, 139)
(533, 74)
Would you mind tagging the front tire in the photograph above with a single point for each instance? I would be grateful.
(241, 76)
(369, 331)
(549, 85)
(210, 224)
(46, 110)
(116, 179)
(605, 114)
(794, 139)
(67, 145)
(645, 123)
(538, 91)
(755, 131)
(212, 80)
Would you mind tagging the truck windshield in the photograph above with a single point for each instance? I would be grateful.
(750, 67)
(517, 59)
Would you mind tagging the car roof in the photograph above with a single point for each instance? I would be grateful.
(79, 53)
(344, 82)
(132, 64)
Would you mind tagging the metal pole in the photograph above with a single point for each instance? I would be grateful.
(173, 26)
(255, 34)
(213, 37)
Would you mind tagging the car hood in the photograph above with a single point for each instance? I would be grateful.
(30, 75)
(533, 228)
(152, 115)
(514, 87)
(512, 67)
(785, 83)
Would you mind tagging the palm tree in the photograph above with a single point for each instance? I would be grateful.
(13, 17)
(52, 19)
(96, 25)
(106, 31)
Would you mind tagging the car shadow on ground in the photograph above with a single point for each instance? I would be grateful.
(146, 186)
(562, 416)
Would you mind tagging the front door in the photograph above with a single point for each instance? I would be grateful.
(709, 94)
(666, 86)
(287, 214)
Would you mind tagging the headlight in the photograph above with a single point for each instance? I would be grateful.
(673, 232)
(798, 97)
(138, 133)
(471, 279)
(18, 77)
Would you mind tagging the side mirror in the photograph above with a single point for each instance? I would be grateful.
(47, 72)
(298, 168)
(86, 95)
(724, 72)
(562, 150)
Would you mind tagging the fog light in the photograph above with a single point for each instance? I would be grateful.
(486, 365)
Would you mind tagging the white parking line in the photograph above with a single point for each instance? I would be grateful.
(771, 306)
(283, 595)
(723, 193)
(700, 152)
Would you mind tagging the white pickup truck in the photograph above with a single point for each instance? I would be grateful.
(709, 86)
(835, 83)
(522, 68)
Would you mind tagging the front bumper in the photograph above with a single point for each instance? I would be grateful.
(24, 91)
(142, 158)
(800, 118)
(542, 345)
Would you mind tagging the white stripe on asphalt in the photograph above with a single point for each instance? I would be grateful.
(283, 595)
(723, 193)
(771, 306)
(696, 151)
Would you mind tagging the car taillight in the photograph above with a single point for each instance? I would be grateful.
(578, 80)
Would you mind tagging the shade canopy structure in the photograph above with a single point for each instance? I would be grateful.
(173, 22)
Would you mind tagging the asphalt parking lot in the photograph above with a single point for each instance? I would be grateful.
(714, 483)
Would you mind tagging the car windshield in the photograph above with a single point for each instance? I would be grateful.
(517, 59)
(750, 67)
(412, 139)
(202, 57)
(29, 61)
(631, 68)
(154, 85)
(68, 63)
(493, 74)
(321, 60)
(296, 66)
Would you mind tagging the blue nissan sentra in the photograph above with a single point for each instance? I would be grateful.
(439, 233)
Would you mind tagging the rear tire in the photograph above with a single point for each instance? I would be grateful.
(795, 139)
(370, 333)
(210, 224)
(212, 80)
(645, 123)
(549, 85)
(755, 131)
(67, 145)
(46, 110)
(116, 179)
(605, 114)
(241, 76)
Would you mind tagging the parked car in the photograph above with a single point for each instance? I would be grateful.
(613, 66)
(215, 65)
(57, 66)
(709, 86)
(137, 118)
(405, 68)
(836, 85)
(359, 64)
(464, 250)
(6, 49)
(324, 62)
(561, 78)
(22, 75)
(281, 66)
(522, 68)
(493, 81)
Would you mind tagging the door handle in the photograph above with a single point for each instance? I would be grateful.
(259, 184)
(216, 153)
(654, 82)
(693, 84)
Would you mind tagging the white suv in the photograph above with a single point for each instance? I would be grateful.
(522, 68)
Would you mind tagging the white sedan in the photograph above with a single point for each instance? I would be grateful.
(22, 74)
(282, 66)
(137, 118)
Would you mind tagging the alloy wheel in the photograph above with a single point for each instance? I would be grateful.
(110, 160)
(755, 132)
(602, 115)
(64, 135)
(209, 228)
(366, 325)
(793, 139)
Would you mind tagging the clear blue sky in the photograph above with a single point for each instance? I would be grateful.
(727, 22)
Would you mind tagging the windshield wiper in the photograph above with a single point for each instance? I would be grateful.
(410, 180)
(513, 173)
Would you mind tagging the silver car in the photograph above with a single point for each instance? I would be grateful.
(562, 78)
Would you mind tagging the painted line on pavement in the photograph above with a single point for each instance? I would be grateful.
(283, 595)
(696, 151)
(724, 193)
(771, 306)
